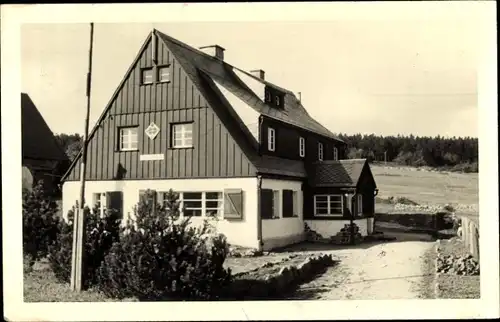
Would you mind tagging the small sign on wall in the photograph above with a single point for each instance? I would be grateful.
(152, 131)
(151, 157)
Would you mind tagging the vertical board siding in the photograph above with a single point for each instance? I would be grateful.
(287, 142)
(215, 152)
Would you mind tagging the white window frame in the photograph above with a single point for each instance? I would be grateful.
(302, 147)
(100, 199)
(185, 132)
(269, 97)
(329, 208)
(129, 138)
(359, 201)
(335, 153)
(161, 73)
(320, 151)
(271, 139)
(203, 201)
(143, 78)
(277, 100)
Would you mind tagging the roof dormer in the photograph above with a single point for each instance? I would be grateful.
(274, 97)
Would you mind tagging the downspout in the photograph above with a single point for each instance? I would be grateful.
(260, 243)
(259, 215)
(352, 217)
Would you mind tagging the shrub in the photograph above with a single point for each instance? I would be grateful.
(161, 257)
(100, 234)
(40, 223)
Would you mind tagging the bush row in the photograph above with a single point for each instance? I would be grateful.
(155, 256)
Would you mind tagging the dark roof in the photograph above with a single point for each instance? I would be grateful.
(293, 112)
(38, 141)
(342, 173)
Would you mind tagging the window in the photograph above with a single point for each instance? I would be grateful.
(320, 151)
(302, 147)
(268, 96)
(147, 76)
(164, 74)
(99, 200)
(335, 154)
(128, 138)
(290, 205)
(328, 205)
(198, 204)
(359, 205)
(271, 139)
(213, 204)
(191, 203)
(182, 135)
(277, 100)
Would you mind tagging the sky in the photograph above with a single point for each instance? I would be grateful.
(386, 77)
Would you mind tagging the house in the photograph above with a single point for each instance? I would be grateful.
(42, 157)
(230, 142)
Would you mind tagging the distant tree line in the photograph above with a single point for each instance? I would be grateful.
(456, 154)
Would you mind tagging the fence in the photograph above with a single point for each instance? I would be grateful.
(470, 236)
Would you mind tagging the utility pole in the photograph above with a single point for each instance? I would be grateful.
(385, 157)
(79, 220)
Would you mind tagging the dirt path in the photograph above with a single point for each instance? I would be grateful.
(390, 270)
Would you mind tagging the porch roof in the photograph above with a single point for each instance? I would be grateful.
(342, 173)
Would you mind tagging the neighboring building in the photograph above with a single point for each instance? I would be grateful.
(42, 157)
(228, 141)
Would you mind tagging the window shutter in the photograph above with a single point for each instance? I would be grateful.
(287, 203)
(266, 203)
(233, 204)
(114, 200)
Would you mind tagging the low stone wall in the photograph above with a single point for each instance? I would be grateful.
(253, 286)
(469, 234)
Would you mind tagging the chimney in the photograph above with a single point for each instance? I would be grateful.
(259, 73)
(214, 51)
(300, 96)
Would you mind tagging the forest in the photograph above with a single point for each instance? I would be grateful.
(452, 154)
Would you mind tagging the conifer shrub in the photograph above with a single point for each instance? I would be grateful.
(160, 256)
(40, 223)
(100, 232)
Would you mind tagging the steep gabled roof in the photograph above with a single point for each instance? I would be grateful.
(38, 141)
(293, 112)
(342, 173)
(204, 70)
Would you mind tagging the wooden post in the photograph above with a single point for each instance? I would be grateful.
(79, 220)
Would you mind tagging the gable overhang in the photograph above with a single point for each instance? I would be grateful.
(110, 103)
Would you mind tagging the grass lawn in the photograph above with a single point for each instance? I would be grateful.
(457, 287)
(42, 286)
(426, 187)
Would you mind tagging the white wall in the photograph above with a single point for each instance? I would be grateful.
(328, 228)
(239, 232)
(286, 229)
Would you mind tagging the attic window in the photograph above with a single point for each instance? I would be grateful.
(147, 76)
(277, 100)
(164, 74)
(268, 96)
(128, 138)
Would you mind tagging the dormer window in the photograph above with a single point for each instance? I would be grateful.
(268, 96)
(277, 100)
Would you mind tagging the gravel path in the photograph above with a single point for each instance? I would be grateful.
(384, 271)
